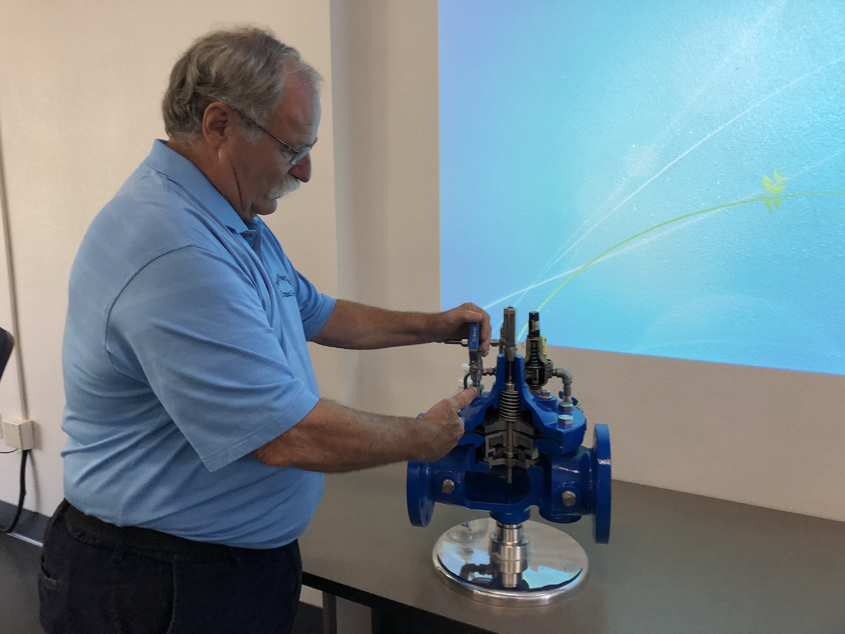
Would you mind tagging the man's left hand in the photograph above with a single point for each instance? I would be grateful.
(454, 324)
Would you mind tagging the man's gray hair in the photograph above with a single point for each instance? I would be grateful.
(245, 68)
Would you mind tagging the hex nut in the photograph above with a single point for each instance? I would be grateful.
(545, 394)
(447, 486)
(569, 498)
(565, 420)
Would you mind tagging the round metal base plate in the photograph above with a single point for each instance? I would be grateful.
(556, 566)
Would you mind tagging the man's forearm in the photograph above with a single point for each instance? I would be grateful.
(334, 438)
(361, 327)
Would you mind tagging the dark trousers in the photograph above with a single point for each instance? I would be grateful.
(98, 578)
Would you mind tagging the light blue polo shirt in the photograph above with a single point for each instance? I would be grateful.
(184, 351)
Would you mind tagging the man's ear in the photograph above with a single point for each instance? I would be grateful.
(217, 124)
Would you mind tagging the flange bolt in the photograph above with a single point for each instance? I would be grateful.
(447, 486)
(569, 498)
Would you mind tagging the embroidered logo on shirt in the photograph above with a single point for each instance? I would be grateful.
(278, 282)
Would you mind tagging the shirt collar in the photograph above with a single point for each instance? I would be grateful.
(180, 170)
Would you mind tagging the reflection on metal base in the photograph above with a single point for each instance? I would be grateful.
(510, 564)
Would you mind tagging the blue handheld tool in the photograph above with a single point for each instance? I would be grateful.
(521, 448)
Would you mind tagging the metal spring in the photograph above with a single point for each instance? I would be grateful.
(509, 404)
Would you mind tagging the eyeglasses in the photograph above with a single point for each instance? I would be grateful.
(296, 154)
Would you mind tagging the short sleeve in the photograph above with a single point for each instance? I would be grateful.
(314, 307)
(191, 325)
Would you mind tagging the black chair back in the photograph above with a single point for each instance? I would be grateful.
(7, 344)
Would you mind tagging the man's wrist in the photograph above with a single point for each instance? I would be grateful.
(416, 437)
(419, 327)
(428, 327)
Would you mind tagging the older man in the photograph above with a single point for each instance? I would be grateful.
(196, 435)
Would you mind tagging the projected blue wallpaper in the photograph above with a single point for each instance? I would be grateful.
(658, 178)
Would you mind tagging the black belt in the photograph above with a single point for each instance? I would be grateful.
(142, 538)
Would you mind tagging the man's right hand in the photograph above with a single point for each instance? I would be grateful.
(441, 428)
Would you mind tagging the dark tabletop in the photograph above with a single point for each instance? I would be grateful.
(675, 563)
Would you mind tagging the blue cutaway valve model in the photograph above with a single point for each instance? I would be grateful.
(521, 448)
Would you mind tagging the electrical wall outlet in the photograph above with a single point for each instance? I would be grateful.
(19, 434)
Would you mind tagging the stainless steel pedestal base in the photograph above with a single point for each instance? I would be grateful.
(510, 564)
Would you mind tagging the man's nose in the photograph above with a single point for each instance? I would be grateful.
(302, 170)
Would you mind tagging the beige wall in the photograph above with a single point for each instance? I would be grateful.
(11, 404)
(79, 91)
(80, 88)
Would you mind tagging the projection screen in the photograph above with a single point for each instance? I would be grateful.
(658, 178)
